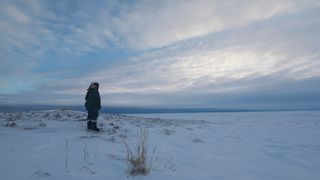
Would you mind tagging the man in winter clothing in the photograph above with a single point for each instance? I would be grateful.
(93, 105)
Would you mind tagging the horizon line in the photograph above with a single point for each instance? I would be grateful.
(142, 109)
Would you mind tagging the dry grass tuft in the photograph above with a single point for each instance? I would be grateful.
(139, 164)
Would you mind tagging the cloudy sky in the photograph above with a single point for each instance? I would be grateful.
(168, 53)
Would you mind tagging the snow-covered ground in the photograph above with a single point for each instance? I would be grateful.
(224, 146)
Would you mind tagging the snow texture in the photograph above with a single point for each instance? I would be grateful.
(240, 146)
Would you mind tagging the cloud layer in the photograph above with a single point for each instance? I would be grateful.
(176, 53)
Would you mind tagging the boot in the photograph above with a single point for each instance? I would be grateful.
(89, 124)
(94, 126)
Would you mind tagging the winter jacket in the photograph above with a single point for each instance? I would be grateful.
(93, 101)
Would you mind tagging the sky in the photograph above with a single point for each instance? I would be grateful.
(168, 53)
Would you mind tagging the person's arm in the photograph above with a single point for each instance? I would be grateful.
(96, 98)
(99, 100)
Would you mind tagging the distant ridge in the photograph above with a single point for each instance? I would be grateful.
(135, 110)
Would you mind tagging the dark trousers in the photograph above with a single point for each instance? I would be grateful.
(93, 115)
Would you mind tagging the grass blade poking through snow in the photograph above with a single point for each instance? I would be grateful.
(66, 162)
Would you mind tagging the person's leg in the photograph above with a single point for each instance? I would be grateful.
(89, 119)
(95, 115)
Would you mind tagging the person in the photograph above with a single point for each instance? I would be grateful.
(93, 105)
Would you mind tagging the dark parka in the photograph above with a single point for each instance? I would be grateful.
(93, 101)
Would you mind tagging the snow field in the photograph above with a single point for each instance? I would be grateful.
(265, 145)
